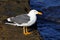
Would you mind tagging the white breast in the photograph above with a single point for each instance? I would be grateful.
(32, 20)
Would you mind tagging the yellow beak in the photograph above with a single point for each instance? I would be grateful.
(40, 13)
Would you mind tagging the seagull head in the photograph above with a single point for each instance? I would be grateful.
(35, 12)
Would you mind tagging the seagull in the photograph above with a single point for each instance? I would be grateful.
(24, 20)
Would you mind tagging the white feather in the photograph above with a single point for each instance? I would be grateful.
(8, 19)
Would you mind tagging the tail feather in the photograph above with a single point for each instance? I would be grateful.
(11, 24)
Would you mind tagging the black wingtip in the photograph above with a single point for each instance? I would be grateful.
(6, 21)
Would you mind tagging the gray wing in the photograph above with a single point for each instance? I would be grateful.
(21, 19)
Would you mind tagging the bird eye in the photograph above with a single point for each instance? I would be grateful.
(34, 11)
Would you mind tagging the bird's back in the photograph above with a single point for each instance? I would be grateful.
(24, 18)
